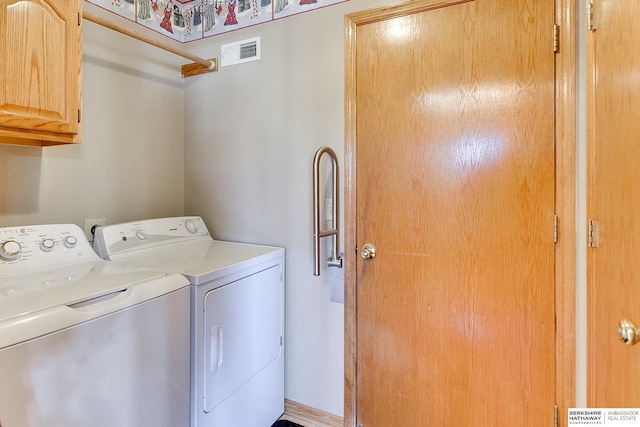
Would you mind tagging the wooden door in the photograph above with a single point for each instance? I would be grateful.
(614, 202)
(40, 60)
(454, 155)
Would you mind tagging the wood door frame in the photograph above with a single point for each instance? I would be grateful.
(565, 250)
(598, 67)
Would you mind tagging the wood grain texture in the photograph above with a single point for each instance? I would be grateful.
(448, 195)
(40, 71)
(349, 261)
(195, 69)
(309, 417)
(565, 270)
(613, 53)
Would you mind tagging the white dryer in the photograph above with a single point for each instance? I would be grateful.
(86, 342)
(237, 303)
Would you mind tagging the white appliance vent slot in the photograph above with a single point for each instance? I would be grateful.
(240, 51)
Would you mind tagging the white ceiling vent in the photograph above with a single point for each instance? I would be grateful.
(239, 52)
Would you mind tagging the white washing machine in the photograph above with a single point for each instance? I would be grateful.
(86, 342)
(237, 303)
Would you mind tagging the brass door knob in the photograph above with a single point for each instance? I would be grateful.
(368, 251)
(628, 331)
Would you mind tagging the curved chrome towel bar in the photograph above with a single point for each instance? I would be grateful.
(334, 260)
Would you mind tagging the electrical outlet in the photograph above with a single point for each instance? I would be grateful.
(90, 223)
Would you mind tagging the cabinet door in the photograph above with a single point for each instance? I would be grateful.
(40, 59)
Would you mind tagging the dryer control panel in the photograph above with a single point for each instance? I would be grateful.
(116, 239)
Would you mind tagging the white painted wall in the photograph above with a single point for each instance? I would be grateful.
(241, 158)
(251, 131)
(130, 164)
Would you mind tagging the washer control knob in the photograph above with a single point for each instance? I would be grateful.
(47, 244)
(10, 250)
(70, 241)
(192, 226)
(141, 235)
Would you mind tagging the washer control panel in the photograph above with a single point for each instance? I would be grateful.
(37, 247)
(132, 236)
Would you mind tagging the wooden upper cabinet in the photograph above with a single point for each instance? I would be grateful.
(40, 71)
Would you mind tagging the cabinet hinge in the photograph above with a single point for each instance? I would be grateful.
(78, 115)
(555, 229)
(79, 18)
(591, 16)
(593, 237)
(556, 38)
(555, 415)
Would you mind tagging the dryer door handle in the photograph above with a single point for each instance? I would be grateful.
(216, 343)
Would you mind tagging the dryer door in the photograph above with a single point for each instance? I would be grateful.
(243, 327)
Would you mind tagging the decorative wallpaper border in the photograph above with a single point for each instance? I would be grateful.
(190, 20)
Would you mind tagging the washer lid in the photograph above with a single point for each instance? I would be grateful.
(65, 286)
(201, 260)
